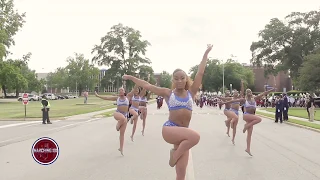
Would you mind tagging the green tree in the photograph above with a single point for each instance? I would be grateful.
(283, 46)
(58, 79)
(11, 76)
(309, 79)
(165, 79)
(19, 68)
(81, 74)
(10, 23)
(233, 73)
(123, 50)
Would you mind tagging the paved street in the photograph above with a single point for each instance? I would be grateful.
(88, 150)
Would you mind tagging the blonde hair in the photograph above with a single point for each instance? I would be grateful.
(188, 83)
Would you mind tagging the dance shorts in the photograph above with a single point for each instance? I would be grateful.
(235, 111)
(123, 113)
(247, 113)
(135, 109)
(226, 109)
(170, 123)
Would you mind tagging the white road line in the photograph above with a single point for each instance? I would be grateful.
(18, 124)
(50, 129)
(40, 123)
(190, 169)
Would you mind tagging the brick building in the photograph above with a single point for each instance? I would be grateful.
(282, 80)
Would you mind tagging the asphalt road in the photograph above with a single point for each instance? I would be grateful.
(88, 151)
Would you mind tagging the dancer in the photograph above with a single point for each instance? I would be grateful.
(134, 109)
(249, 113)
(229, 114)
(180, 100)
(121, 113)
(143, 108)
(235, 109)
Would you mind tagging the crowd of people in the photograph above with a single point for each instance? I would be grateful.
(180, 100)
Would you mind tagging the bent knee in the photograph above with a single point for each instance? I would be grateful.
(259, 119)
(195, 138)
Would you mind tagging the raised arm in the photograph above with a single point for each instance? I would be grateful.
(234, 100)
(108, 98)
(263, 94)
(130, 94)
(202, 66)
(143, 92)
(164, 92)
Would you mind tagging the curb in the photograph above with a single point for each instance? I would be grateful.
(293, 124)
(32, 119)
(61, 118)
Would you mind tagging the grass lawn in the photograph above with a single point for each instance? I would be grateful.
(298, 112)
(292, 120)
(110, 113)
(107, 114)
(59, 108)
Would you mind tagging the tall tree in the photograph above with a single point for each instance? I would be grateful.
(309, 79)
(123, 50)
(283, 46)
(58, 79)
(165, 79)
(19, 71)
(10, 23)
(11, 77)
(81, 74)
(233, 74)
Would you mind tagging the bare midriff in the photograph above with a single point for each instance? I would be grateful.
(123, 109)
(181, 117)
(250, 110)
(143, 104)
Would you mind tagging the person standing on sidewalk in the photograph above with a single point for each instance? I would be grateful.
(285, 107)
(279, 108)
(45, 105)
(310, 108)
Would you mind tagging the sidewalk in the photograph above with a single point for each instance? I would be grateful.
(292, 117)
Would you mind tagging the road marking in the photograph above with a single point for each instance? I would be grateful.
(40, 123)
(18, 124)
(50, 130)
(190, 168)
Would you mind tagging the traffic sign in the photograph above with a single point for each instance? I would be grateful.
(25, 99)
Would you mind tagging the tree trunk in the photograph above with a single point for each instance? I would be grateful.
(4, 90)
(17, 93)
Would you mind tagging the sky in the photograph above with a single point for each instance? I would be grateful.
(178, 31)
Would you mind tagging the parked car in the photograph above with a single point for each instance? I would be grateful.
(70, 96)
(50, 96)
(31, 97)
(61, 97)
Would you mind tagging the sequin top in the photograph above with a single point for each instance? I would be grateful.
(122, 102)
(175, 102)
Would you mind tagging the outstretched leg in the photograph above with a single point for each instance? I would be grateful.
(121, 126)
(135, 120)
